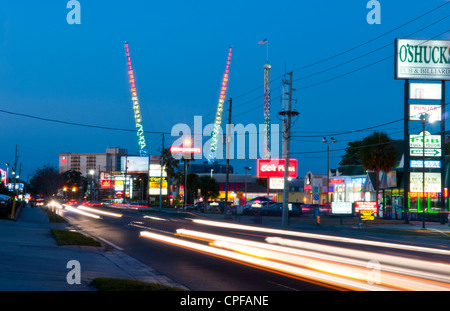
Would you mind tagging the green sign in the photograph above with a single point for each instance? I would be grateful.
(428, 152)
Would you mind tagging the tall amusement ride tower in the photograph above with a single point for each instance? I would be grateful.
(267, 125)
(137, 110)
(267, 111)
(219, 111)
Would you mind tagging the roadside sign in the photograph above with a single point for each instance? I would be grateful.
(417, 152)
(366, 215)
(431, 141)
(428, 164)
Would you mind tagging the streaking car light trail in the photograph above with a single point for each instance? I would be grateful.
(78, 211)
(264, 264)
(335, 270)
(94, 210)
(322, 237)
(391, 263)
(434, 271)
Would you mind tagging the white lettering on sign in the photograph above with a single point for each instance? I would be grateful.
(428, 164)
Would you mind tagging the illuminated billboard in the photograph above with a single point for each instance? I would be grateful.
(181, 149)
(433, 111)
(135, 164)
(421, 59)
(341, 208)
(432, 182)
(366, 206)
(426, 91)
(155, 184)
(272, 168)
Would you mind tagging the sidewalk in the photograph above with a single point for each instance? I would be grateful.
(30, 259)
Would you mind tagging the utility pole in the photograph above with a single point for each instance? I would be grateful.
(161, 179)
(226, 209)
(287, 115)
(16, 158)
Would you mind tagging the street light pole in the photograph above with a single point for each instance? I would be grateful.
(423, 170)
(188, 143)
(333, 141)
(245, 189)
(423, 118)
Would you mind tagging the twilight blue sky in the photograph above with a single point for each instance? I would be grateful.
(78, 73)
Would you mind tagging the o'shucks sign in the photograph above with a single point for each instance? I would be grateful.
(422, 59)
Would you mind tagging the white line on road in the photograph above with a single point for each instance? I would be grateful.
(111, 244)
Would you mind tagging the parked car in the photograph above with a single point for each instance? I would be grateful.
(5, 205)
(325, 209)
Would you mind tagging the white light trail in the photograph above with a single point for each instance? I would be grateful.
(337, 260)
(267, 264)
(322, 237)
(78, 211)
(94, 210)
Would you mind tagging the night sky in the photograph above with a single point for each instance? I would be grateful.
(343, 72)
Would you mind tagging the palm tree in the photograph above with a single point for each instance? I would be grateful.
(170, 163)
(378, 153)
(209, 188)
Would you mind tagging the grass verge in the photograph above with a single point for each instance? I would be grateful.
(66, 237)
(113, 284)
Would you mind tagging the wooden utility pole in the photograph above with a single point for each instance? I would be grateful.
(227, 210)
(161, 179)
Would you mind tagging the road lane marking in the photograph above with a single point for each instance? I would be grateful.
(110, 244)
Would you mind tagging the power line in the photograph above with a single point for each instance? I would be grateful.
(355, 47)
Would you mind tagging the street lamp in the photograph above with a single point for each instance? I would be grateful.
(333, 141)
(91, 173)
(186, 142)
(424, 117)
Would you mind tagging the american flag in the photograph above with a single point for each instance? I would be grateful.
(263, 41)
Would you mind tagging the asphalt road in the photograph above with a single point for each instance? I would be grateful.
(197, 271)
(186, 256)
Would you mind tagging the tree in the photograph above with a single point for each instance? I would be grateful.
(46, 180)
(378, 153)
(351, 156)
(73, 180)
(209, 188)
(170, 163)
(192, 187)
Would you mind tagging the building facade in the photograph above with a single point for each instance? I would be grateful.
(85, 162)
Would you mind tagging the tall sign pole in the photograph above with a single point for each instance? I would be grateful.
(406, 158)
(443, 170)
(429, 60)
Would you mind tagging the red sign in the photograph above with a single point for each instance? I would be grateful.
(366, 206)
(337, 181)
(270, 168)
(106, 183)
(181, 149)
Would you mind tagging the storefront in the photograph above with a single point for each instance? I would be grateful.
(348, 188)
